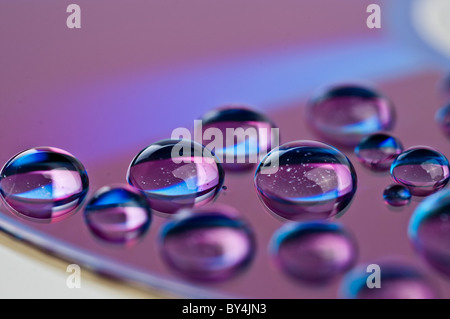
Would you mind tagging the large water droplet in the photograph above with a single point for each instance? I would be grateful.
(429, 230)
(313, 252)
(305, 180)
(43, 183)
(397, 195)
(208, 245)
(243, 134)
(345, 114)
(176, 174)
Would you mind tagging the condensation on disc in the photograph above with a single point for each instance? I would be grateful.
(305, 180)
(386, 280)
(422, 169)
(429, 230)
(44, 183)
(176, 174)
(345, 114)
(118, 214)
(207, 244)
(378, 151)
(240, 136)
(313, 252)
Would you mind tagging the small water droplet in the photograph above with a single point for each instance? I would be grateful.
(397, 195)
(346, 114)
(423, 170)
(118, 214)
(378, 151)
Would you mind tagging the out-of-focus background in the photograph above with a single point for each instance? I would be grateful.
(138, 69)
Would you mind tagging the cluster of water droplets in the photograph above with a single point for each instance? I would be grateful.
(305, 182)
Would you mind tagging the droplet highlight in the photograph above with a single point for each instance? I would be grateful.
(118, 214)
(175, 174)
(346, 114)
(313, 252)
(422, 169)
(305, 180)
(44, 183)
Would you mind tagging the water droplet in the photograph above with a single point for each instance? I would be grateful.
(321, 181)
(313, 252)
(422, 169)
(44, 183)
(378, 151)
(208, 245)
(398, 280)
(191, 175)
(443, 118)
(248, 136)
(345, 114)
(118, 214)
(429, 230)
(396, 195)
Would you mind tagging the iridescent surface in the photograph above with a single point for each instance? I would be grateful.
(118, 214)
(396, 195)
(443, 118)
(305, 180)
(378, 151)
(422, 169)
(176, 174)
(313, 252)
(43, 183)
(429, 230)
(245, 135)
(207, 245)
(346, 114)
(398, 280)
